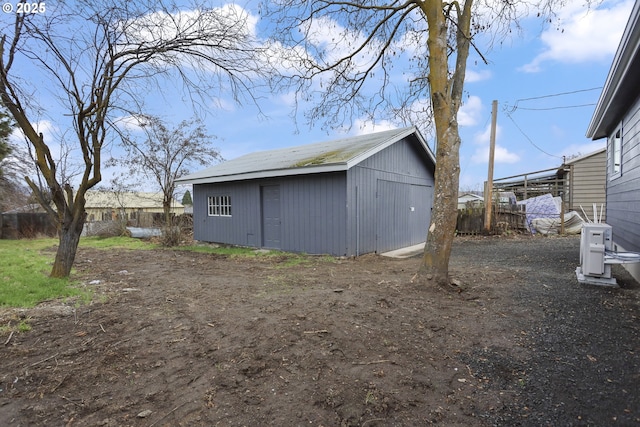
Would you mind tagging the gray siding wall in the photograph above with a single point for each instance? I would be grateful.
(405, 163)
(241, 228)
(314, 214)
(383, 203)
(588, 184)
(312, 211)
(623, 192)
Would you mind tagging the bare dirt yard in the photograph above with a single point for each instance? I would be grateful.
(176, 338)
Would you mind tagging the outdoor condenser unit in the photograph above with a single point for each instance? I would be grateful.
(596, 256)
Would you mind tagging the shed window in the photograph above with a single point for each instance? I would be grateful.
(219, 205)
(616, 153)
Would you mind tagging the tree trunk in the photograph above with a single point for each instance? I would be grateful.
(435, 261)
(69, 237)
(446, 96)
(170, 234)
(166, 208)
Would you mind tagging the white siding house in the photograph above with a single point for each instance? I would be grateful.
(617, 118)
(585, 183)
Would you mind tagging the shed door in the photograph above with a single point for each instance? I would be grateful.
(270, 204)
(402, 215)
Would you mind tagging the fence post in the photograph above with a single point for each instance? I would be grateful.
(561, 216)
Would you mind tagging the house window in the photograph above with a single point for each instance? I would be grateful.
(615, 142)
(219, 205)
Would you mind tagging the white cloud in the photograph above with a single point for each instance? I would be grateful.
(61, 146)
(224, 105)
(283, 58)
(363, 127)
(227, 33)
(288, 99)
(336, 42)
(583, 35)
(470, 111)
(131, 123)
(501, 154)
(483, 137)
(49, 131)
(472, 76)
(228, 22)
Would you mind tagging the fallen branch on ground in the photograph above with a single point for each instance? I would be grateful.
(372, 362)
(9, 339)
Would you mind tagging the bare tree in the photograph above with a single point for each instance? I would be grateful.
(99, 59)
(6, 127)
(163, 155)
(346, 53)
(10, 192)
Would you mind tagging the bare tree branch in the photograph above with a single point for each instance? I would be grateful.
(163, 155)
(98, 57)
(341, 58)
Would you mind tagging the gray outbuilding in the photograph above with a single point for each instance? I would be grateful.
(357, 195)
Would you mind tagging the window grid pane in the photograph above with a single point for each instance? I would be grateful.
(219, 205)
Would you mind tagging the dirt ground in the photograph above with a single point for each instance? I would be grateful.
(185, 339)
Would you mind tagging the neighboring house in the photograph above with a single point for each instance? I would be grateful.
(369, 193)
(617, 118)
(111, 205)
(470, 200)
(531, 184)
(580, 182)
(585, 181)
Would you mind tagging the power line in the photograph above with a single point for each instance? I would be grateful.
(556, 108)
(529, 139)
(511, 109)
(553, 95)
(558, 94)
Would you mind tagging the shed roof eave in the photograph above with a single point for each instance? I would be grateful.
(266, 174)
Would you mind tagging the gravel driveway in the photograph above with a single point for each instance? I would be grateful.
(582, 366)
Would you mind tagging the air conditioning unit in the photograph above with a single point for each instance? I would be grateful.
(596, 255)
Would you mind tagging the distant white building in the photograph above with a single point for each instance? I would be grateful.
(470, 200)
(111, 205)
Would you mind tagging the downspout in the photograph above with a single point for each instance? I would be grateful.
(357, 224)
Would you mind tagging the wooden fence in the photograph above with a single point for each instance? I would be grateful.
(26, 225)
(503, 219)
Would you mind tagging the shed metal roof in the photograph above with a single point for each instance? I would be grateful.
(621, 87)
(584, 156)
(329, 156)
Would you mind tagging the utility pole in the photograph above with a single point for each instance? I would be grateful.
(488, 191)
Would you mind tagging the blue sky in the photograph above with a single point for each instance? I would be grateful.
(545, 80)
(540, 63)
(559, 68)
